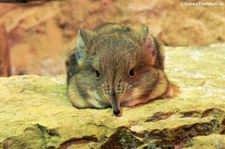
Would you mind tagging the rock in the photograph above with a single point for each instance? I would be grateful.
(213, 141)
(35, 112)
(122, 138)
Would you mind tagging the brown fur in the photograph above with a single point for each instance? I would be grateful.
(115, 65)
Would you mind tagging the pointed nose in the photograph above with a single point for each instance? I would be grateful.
(115, 104)
(116, 112)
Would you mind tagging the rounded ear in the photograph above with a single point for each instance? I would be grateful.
(85, 40)
(153, 52)
(140, 34)
(150, 46)
(87, 37)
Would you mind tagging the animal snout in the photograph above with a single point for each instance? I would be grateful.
(116, 112)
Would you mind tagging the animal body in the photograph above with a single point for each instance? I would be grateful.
(115, 65)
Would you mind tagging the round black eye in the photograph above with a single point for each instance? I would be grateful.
(97, 74)
(131, 72)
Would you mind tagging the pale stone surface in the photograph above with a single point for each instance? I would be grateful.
(35, 112)
(213, 141)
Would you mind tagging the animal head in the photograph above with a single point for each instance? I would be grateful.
(116, 64)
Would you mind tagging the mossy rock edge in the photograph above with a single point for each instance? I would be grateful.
(36, 113)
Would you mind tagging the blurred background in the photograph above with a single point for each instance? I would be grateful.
(35, 38)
